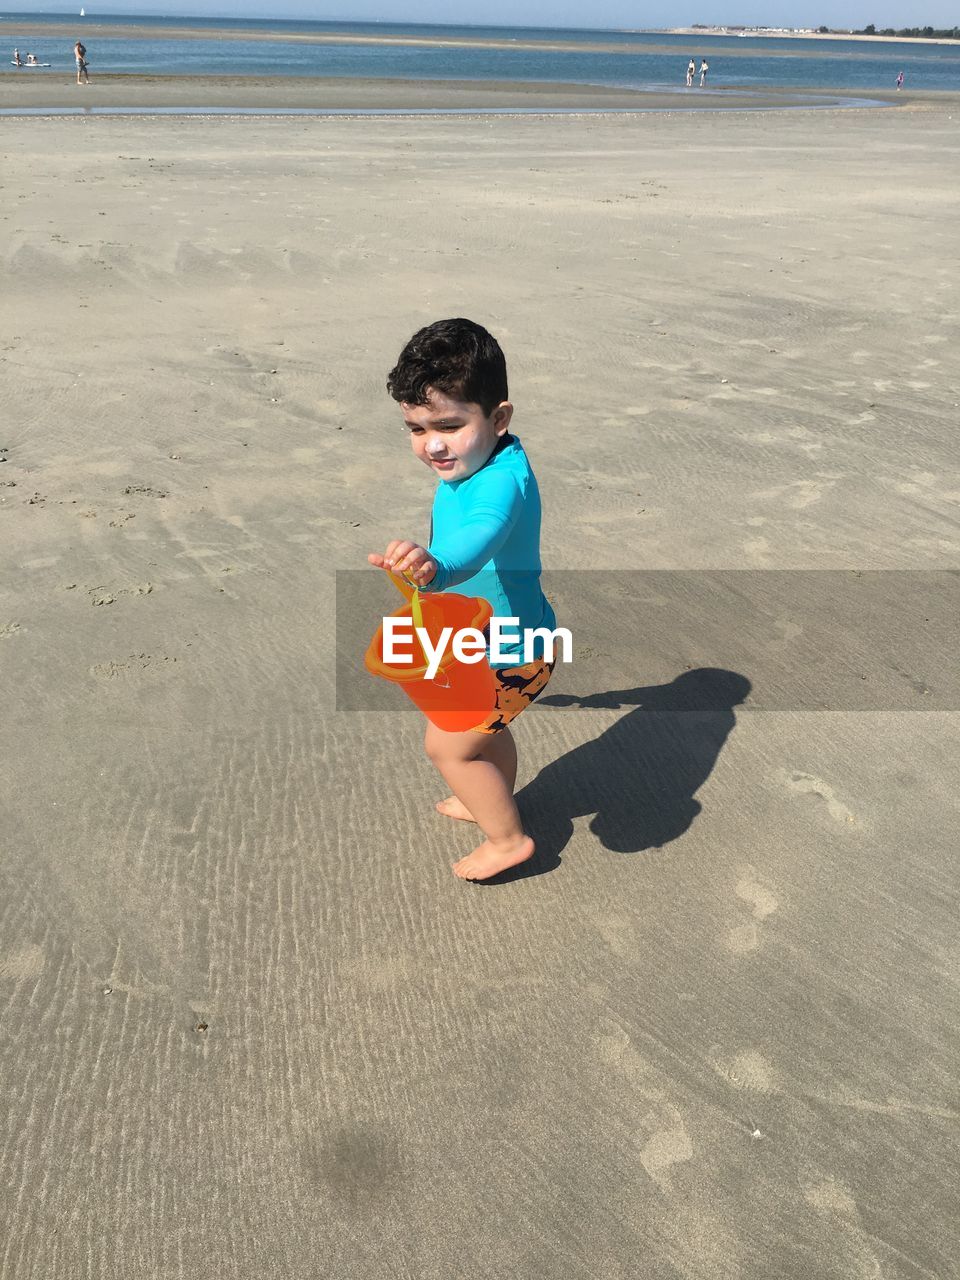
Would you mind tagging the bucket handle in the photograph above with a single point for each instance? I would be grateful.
(403, 584)
(411, 592)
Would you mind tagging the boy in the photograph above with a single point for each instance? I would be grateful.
(451, 383)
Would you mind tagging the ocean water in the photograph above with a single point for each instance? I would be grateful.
(655, 60)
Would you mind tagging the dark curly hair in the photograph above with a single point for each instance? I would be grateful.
(457, 357)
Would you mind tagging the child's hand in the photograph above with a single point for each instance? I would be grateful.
(409, 558)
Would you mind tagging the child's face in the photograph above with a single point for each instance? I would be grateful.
(454, 438)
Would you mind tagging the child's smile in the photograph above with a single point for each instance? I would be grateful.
(454, 437)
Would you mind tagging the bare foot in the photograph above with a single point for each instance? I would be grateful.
(490, 859)
(454, 808)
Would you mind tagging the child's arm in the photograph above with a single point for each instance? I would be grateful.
(462, 551)
(459, 552)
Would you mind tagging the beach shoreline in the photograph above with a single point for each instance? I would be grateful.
(853, 36)
(314, 93)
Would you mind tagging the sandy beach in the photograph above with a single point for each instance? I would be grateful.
(253, 1024)
(30, 95)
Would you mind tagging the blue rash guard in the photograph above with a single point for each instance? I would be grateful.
(486, 542)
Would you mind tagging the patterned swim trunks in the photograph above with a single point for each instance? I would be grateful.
(516, 689)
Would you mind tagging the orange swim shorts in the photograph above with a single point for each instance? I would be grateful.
(516, 689)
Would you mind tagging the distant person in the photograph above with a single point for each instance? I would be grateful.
(899, 82)
(80, 54)
(691, 68)
(704, 68)
(32, 60)
(17, 60)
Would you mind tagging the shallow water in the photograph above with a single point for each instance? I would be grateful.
(659, 61)
(806, 105)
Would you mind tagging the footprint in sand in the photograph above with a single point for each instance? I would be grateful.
(799, 494)
(144, 490)
(919, 484)
(109, 595)
(667, 1145)
(826, 1195)
(747, 1070)
(757, 548)
(761, 901)
(789, 631)
(743, 939)
(133, 665)
(660, 1133)
(832, 1199)
(618, 932)
(808, 784)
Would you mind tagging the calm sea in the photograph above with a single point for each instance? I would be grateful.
(654, 61)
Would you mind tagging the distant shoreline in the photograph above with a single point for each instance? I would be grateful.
(751, 33)
(113, 27)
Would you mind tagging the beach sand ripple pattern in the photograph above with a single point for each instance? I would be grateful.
(252, 1024)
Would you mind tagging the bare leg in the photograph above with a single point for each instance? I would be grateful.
(501, 750)
(483, 791)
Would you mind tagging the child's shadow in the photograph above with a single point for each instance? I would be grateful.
(639, 777)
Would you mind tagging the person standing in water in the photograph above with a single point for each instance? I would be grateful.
(899, 82)
(704, 68)
(691, 68)
(17, 60)
(80, 54)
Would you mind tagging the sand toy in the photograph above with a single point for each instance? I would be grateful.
(461, 695)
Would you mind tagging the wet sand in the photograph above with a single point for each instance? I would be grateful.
(32, 93)
(253, 1024)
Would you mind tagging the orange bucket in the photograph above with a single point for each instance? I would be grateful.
(461, 695)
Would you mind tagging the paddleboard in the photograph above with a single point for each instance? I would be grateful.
(30, 66)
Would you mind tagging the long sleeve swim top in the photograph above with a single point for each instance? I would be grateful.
(486, 541)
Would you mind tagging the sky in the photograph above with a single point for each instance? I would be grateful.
(839, 14)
